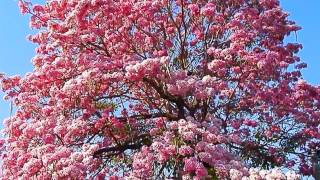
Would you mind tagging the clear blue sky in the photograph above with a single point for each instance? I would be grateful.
(16, 52)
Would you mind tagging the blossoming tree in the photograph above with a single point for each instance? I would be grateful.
(154, 89)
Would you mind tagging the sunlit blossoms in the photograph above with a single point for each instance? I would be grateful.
(273, 174)
(160, 89)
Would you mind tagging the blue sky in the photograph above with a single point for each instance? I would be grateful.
(16, 52)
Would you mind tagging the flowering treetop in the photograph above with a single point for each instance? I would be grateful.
(148, 89)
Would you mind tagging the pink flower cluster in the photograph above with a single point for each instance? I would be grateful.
(143, 164)
(256, 174)
(158, 89)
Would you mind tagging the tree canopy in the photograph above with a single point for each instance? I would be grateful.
(155, 89)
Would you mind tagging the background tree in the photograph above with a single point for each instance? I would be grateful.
(152, 89)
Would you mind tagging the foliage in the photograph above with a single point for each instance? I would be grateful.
(152, 89)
